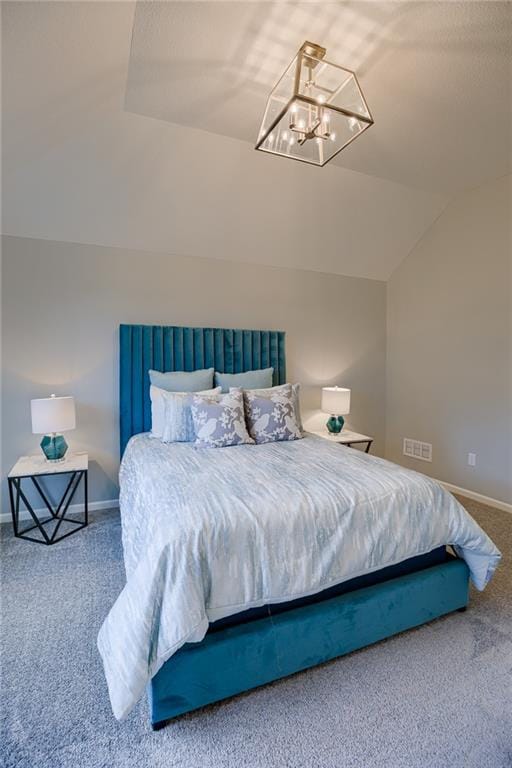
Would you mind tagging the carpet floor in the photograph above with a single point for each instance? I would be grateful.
(439, 696)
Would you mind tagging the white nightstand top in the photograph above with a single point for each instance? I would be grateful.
(37, 465)
(345, 436)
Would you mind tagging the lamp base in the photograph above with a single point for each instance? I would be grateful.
(335, 424)
(54, 447)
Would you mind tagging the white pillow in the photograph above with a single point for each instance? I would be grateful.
(158, 408)
(178, 421)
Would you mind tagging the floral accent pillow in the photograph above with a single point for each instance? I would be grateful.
(178, 424)
(272, 415)
(265, 392)
(219, 420)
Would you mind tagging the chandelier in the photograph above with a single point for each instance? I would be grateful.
(315, 110)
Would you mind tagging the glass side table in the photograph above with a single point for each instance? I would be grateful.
(46, 528)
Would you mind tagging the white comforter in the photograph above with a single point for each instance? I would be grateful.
(210, 532)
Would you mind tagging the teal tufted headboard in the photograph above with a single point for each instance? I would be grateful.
(171, 348)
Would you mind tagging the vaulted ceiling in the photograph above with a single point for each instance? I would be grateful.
(133, 124)
(436, 75)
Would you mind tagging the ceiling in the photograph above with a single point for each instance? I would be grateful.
(132, 125)
(436, 75)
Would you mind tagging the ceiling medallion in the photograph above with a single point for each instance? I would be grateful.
(316, 109)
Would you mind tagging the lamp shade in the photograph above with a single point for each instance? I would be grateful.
(336, 400)
(52, 414)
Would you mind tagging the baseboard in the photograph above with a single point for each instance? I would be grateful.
(476, 496)
(74, 509)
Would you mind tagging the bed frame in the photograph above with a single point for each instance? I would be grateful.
(256, 648)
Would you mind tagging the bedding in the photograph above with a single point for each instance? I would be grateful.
(208, 534)
(271, 415)
(219, 421)
(261, 378)
(165, 409)
(278, 388)
(182, 381)
(173, 381)
(178, 424)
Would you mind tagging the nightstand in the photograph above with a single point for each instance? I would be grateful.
(33, 468)
(345, 437)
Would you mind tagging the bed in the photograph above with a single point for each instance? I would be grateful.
(247, 564)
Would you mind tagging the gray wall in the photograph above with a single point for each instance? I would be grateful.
(62, 304)
(449, 358)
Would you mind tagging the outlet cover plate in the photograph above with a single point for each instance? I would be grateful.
(416, 449)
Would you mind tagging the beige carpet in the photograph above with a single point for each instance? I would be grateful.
(494, 605)
(439, 696)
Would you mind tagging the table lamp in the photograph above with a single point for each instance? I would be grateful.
(51, 416)
(336, 401)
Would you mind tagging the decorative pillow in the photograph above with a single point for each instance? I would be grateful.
(174, 381)
(296, 398)
(182, 381)
(219, 421)
(178, 426)
(248, 380)
(158, 408)
(157, 411)
(272, 416)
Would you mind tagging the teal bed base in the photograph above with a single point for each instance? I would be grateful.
(242, 657)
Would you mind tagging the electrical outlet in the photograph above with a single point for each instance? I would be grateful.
(471, 459)
(417, 450)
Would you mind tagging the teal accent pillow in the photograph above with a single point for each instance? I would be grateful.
(260, 379)
(183, 381)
